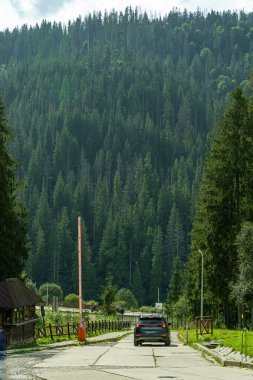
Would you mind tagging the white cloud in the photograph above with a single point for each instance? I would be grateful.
(19, 12)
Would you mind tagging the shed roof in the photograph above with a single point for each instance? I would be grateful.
(14, 293)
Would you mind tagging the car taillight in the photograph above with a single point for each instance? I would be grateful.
(139, 325)
(162, 325)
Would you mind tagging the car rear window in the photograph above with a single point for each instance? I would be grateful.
(149, 321)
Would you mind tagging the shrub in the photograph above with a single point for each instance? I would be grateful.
(71, 300)
(148, 309)
(125, 298)
(51, 290)
(108, 297)
(90, 303)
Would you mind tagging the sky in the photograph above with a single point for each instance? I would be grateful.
(15, 13)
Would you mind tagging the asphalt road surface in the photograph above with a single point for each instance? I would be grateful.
(120, 361)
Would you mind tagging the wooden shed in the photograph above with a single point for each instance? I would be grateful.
(17, 311)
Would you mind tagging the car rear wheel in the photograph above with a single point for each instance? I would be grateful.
(135, 342)
(167, 342)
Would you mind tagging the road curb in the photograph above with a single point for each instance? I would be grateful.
(115, 336)
(221, 359)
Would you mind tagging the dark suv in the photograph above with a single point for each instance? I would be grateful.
(152, 328)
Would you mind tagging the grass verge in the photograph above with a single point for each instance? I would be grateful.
(238, 340)
(40, 342)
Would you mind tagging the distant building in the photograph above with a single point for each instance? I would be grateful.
(17, 311)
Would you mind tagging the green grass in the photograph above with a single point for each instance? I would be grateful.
(39, 342)
(43, 341)
(227, 338)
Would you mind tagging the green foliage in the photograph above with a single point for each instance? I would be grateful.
(137, 285)
(225, 202)
(148, 309)
(111, 123)
(126, 298)
(50, 290)
(13, 242)
(90, 302)
(242, 289)
(226, 338)
(156, 281)
(57, 317)
(181, 308)
(108, 296)
(176, 284)
(71, 299)
(28, 282)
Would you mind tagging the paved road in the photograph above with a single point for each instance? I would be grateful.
(121, 361)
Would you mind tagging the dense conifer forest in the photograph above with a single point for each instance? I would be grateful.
(111, 115)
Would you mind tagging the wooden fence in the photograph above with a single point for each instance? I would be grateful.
(71, 329)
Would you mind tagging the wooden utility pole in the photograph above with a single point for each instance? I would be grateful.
(80, 295)
(82, 325)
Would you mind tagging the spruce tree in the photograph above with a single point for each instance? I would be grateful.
(137, 285)
(157, 270)
(176, 282)
(225, 201)
(13, 241)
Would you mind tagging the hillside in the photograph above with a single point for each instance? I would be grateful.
(111, 116)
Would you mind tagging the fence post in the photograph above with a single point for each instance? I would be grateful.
(50, 330)
(246, 348)
(244, 344)
(68, 330)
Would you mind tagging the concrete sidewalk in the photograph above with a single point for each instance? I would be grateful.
(226, 356)
(107, 337)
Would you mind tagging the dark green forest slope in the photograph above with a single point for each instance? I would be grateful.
(111, 115)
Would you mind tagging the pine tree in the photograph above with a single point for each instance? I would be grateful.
(157, 269)
(90, 285)
(174, 240)
(225, 199)
(176, 282)
(13, 241)
(137, 285)
(242, 289)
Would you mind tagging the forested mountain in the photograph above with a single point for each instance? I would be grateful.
(111, 115)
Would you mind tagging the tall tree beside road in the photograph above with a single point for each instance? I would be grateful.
(242, 289)
(225, 201)
(13, 244)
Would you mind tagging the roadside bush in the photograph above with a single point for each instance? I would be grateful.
(108, 297)
(90, 303)
(71, 300)
(125, 298)
(52, 290)
(148, 309)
